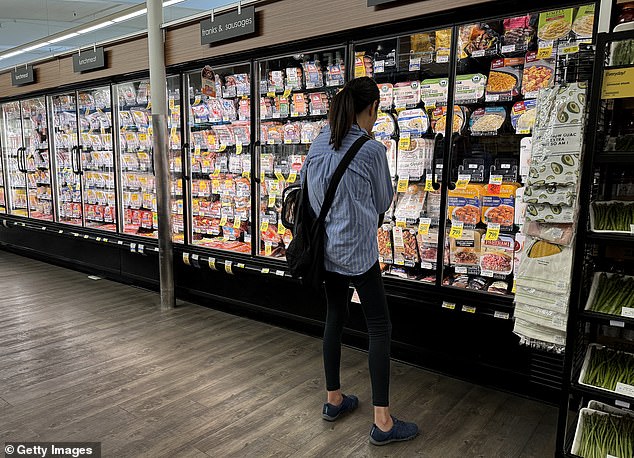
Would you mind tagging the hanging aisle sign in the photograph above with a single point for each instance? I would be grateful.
(89, 60)
(23, 75)
(227, 25)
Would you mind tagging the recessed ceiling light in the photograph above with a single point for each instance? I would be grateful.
(101, 25)
(63, 37)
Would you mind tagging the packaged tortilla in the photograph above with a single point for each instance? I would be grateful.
(487, 121)
(384, 237)
(465, 205)
(499, 208)
(554, 25)
(584, 21)
(469, 88)
(518, 33)
(405, 250)
(434, 92)
(465, 251)
(504, 79)
(497, 255)
(545, 266)
(538, 74)
(439, 119)
(410, 203)
(523, 115)
(386, 91)
(385, 125)
(414, 122)
(560, 234)
(406, 94)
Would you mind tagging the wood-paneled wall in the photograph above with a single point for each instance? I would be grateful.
(279, 21)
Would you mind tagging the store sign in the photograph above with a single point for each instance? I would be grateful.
(618, 84)
(228, 25)
(23, 75)
(89, 60)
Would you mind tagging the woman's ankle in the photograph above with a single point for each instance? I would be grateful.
(382, 418)
(335, 398)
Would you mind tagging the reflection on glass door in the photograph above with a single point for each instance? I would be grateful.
(13, 151)
(69, 197)
(176, 158)
(294, 95)
(412, 73)
(220, 157)
(97, 158)
(36, 159)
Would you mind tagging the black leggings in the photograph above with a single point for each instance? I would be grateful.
(370, 288)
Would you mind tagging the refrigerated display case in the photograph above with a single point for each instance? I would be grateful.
(84, 158)
(294, 93)
(136, 159)
(219, 160)
(25, 149)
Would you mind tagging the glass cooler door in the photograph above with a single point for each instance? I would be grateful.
(176, 158)
(36, 158)
(67, 167)
(219, 140)
(294, 97)
(96, 153)
(413, 76)
(13, 152)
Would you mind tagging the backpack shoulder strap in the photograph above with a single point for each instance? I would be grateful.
(336, 178)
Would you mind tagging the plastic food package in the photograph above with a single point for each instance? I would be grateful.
(560, 234)
(470, 88)
(523, 116)
(465, 251)
(385, 125)
(465, 205)
(504, 79)
(499, 207)
(545, 213)
(487, 121)
(545, 266)
(294, 78)
(406, 94)
(498, 287)
(497, 255)
(390, 146)
(583, 24)
(384, 237)
(363, 65)
(405, 250)
(439, 119)
(414, 122)
(386, 91)
(313, 75)
(410, 203)
(553, 195)
(477, 40)
(434, 91)
(411, 160)
(538, 74)
(518, 32)
(554, 25)
(428, 246)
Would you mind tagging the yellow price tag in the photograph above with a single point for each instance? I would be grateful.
(186, 259)
(270, 94)
(197, 149)
(292, 177)
(238, 147)
(212, 263)
(423, 226)
(149, 105)
(150, 131)
(265, 270)
(229, 267)
(286, 94)
(570, 49)
(281, 230)
(215, 173)
(143, 137)
(268, 249)
(221, 148)
(264, 226)
(236, 223)
(279, 175)
(404, 143)
(223, 221)
(545, 52)
(402, 185)
(493, 231)
(514, 287)
(262, 176)
(215, 186)
(429, 185)
(456, 229)
(463, 181)
(171, 104)
(271, 201)
(246, 174)
(172, 131)
(401, 223)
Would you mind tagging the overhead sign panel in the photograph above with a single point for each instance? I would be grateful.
(89, 60)
(23, 75)
(228, 25)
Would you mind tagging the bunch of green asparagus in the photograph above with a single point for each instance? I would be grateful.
(606, 435)
(612, 294)
(614, 216)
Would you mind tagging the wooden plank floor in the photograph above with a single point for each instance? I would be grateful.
(86, 360)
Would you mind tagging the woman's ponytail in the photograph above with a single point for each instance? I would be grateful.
(355, 96)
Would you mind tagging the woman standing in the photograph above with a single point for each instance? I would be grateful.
(351, 250)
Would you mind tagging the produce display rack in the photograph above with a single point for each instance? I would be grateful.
(584, 327)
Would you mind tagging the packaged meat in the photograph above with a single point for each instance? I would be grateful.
(292, 133)
(433, 92)
(406, 94)
(498, 287)
(470, 88)
(410, 203)
(428, 246)
(504, 79)
(499, 207)
(299, 105)
(318, 103)
(478, 284)
(465, 205)
(554, 25)
(313, 74)
(477, 40)
(413, 122)
(335, 75)
(487, 121)
(384, 237)
(422, 42)
(385, 125)
(363, 65)
(465, 251)
(244, 109)
(519, 32)
(294, 78)
(309, 131)
(432, 205)
(276, 80)
(559, 234)
(386, 91)
(523, 115)
(405, 250)
(497, 255)
(443, 42)
(538, 74)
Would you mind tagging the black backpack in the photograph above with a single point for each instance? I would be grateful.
(305, 253)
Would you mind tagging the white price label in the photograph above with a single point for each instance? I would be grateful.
(478, 53)
(265, 270)
(501, 315)
(133, 247)
(619, 403)
(228, 267)
(487, 273)
(119, 242)
(442, 59)
(617, 324)
(279, 273)
(492, 97)
(414, 64)
(355, 297)
(623, 388)
(508, 48)
(379, 66)
(468, 309)
(426, 265)
(461, 270)
(627, 311)
(632, 229)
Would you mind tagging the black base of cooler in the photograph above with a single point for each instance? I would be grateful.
(473, 347)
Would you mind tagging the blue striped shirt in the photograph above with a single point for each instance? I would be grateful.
(365, 191)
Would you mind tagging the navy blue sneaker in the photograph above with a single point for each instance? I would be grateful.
(401, 431)
(349, 403)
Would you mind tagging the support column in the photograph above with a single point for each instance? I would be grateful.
(158, 93)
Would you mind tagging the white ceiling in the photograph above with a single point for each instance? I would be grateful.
(25, 21)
